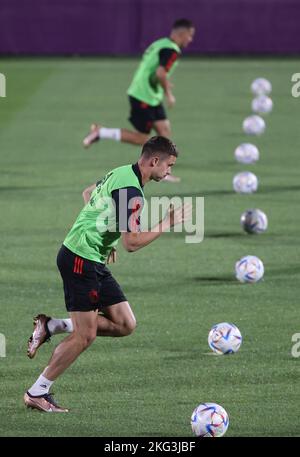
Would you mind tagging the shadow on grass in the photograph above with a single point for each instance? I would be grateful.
(285, 271)
(231, 280)
(186, 356)
(226, 192)
(216, 280)
(200, 193)
(225, 235)
(23, 188)
(272, 189)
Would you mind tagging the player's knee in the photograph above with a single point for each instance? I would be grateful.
(86, 338)
(128, 326)
(164, 130)
(89, 338)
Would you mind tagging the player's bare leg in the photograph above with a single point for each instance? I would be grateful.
(163, 128)
(117, 320)
(98, 132)
(134, 137)
(84, 333)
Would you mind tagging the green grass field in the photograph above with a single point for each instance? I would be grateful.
(149, 383)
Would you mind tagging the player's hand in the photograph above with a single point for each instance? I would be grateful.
(112, 258)
(171, 100)
(178, 215)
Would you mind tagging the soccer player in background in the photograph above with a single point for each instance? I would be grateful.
(89, 286)
(146, 92)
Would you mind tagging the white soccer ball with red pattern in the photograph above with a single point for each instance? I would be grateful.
(209, 420)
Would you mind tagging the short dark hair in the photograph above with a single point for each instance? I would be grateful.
(159, 145)
(182, 23)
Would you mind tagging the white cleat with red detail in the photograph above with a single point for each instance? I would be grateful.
(171, 178)
(39, 335)
(93, 136)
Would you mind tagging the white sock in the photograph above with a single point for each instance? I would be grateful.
(111, 134)
(56, 326)
(40, 387)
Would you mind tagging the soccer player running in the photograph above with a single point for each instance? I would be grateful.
(147, 89)
(95, 301)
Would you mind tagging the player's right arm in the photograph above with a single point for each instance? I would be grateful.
(134, 240)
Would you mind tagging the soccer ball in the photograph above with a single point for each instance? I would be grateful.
(249, 269)
(262, 104)
(261, 86)
(254, 221)
(245, 182)
(224, 338)
(209, 420)
(254, 125)
(246, 153)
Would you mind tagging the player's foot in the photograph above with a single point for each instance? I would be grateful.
(93, 136)
(44, 403)
(171, 178)
(39, 335)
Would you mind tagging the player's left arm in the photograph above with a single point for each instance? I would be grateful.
(86, 194)
(167, 57)
(128, 205)
(134, 240)
(166, 85)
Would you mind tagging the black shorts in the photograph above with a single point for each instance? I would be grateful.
(88, 285)
(142, 116)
